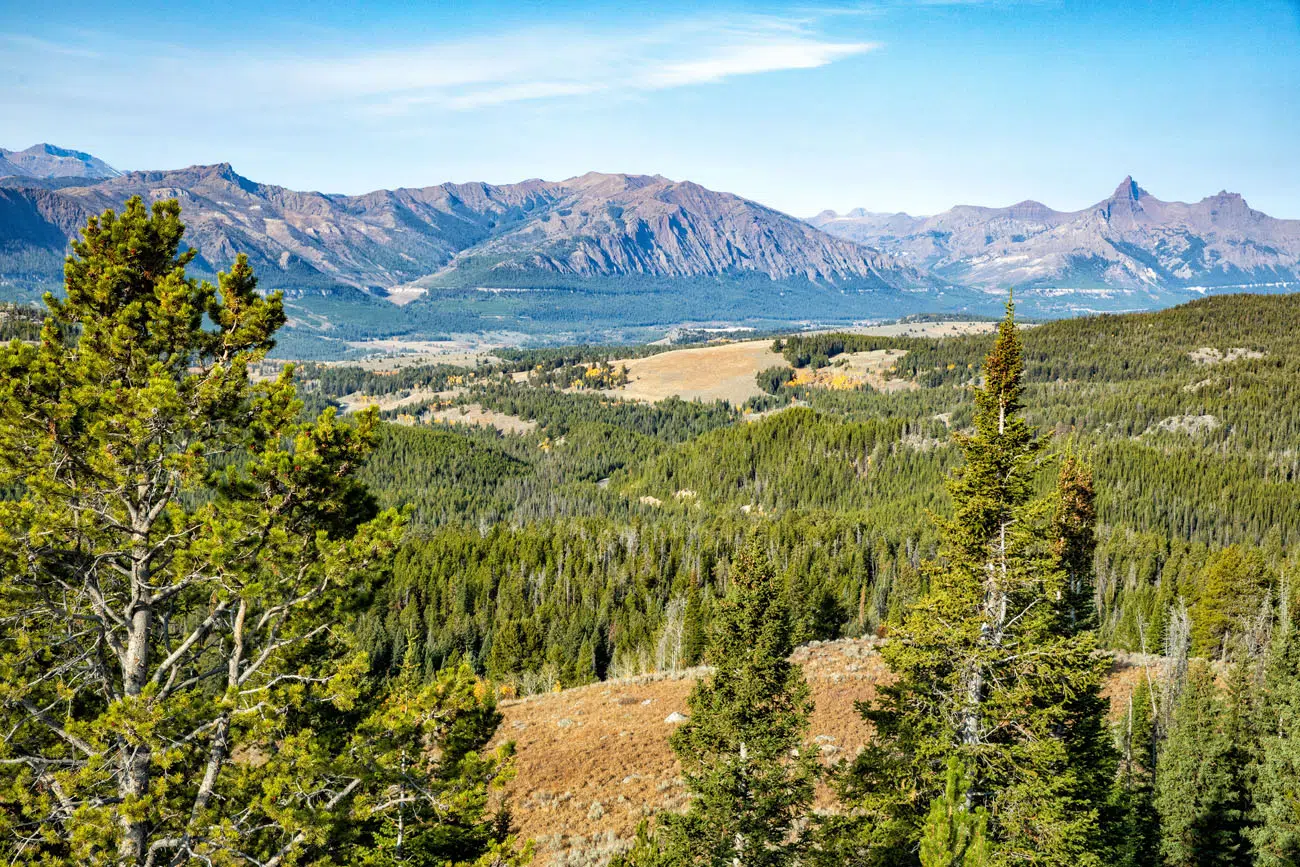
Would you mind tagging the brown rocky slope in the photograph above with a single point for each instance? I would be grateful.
(593, 760)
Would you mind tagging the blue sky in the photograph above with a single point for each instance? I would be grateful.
(910, 105)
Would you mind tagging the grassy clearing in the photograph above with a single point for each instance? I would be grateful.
(720, 372)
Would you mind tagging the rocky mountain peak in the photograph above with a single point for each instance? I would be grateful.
(1225, 197)
(218, 172)
(607, 183)
(1128, 190)
(1030, 209)
(56, 151)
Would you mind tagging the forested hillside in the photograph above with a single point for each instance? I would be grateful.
(240, 627)
(613, 513)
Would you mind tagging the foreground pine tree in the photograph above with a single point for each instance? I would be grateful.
(430, 759)
(995, 665)
(1276, 833)
(179, 555)
(746, 766)
(1138, 834)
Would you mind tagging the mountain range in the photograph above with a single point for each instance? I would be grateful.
(593, 256)
(1130, 241)
(596, 225)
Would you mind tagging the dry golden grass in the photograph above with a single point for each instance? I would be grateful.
(592, 761)
(727, 371)
(719, 372)
(607, 744)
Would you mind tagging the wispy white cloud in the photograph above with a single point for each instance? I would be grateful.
(754, 58)
(549, 64)
(461, 74)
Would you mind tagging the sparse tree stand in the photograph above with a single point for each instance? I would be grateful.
(992, 665)
(744, 760)
(179, 553)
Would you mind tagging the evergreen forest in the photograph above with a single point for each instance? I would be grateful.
(241, 626)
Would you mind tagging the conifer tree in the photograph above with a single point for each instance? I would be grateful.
(1276, 791)
(953, 834)
(1139, 829)
(1082, 725)
(1202, 792)
(984, 668)
(180, 560)
(1074, 529)
(696, 638)
(1229, 591)
(746, 766)
(1236, 813)
(433, 776)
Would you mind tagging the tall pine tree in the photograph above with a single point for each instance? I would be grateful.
(181, 554)
(1139, 828)
(744, 760)
(986, 665)
(1074, 529)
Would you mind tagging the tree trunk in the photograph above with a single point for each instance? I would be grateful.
(136, 759)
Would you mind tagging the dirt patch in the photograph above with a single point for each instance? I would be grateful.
(358, 401)
(722, 372)
(475, 414)
(1192, 425)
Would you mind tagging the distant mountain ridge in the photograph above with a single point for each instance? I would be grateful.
(589, 256)
(614, 256)
(593, 226)
(1129, 241)
(49, 161)
(606, 225)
